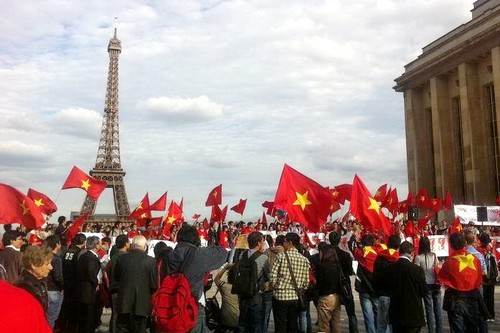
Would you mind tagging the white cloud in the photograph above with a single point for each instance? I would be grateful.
(79, 122)
(181, 110)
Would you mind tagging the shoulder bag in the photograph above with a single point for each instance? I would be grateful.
(301, 293)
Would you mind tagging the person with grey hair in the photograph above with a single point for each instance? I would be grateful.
(87, 279)
(137, 278)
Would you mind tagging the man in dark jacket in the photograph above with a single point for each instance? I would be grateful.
(11, 256)
(137, 279)
(55, 281)
(381, 284)
(345, 261)
(204, 260)
(122, 244)
(67, 320)
(87, 280)
(366, 256)
(408, 287)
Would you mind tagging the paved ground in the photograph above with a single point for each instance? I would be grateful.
(494, 327)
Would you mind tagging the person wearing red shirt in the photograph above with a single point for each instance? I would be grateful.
(224, 237)
(133, 231)
(22, 313)
(248, 229)
(202, 233)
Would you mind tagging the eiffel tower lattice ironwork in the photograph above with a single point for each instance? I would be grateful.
(108, 162)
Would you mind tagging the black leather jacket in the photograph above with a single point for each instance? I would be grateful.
(35, 287)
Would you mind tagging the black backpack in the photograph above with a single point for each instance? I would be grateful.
(491, 267)
(246, 280)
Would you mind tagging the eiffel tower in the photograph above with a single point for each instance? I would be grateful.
(108, 162)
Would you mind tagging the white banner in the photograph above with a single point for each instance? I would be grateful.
(153, 242)
(439, 245)
(468, 213)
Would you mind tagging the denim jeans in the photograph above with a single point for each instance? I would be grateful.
(267, 304)
(465, 316)
(55, 301)
(304, 321)
(201, 326)
(351, 315)
(433, 312)
(383, 314)
(369, 306)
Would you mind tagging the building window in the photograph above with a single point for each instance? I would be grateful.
(494, 150)
(458, 152)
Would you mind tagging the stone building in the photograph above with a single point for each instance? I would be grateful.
(451, 98)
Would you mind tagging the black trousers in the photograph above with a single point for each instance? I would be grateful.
(130, 323)
(87, 321)
(489, 298)
(286, 314)
(402, 329)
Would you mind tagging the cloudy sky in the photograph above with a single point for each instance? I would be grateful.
(211, 92)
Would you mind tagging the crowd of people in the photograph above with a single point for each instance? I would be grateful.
(398, 278)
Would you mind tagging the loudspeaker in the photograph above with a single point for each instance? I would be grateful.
(482, 214)
(412, 213)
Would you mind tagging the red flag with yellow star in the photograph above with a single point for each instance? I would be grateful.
(342, 192)
(366, 257)
(223, 213)
(391, 201)
(381, 193)
(74, 228)
(435, 204)
(303, 199)
(174, 214)
(366, 209)
(422, 199)
(79, 179)
(270, 207)
(240, 206)
(334, 204)
(214, 197)
(160, 204)
(461, 271)
(456, 226)
(19, 208)
(142, 210)
(42, 201)
(448, 201)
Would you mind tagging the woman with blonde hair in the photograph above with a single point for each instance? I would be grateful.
(37, 266)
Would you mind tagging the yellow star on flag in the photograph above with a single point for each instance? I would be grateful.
(465, 261)
(374, 205)
(144, 215)
(302, 200)
(85, 184)
(335, 194)
(392, 251)
(139, 206)
(23, 206)
(38, 202)
(367, 250)
(170, 219)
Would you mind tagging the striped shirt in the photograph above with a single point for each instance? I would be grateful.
(281, 278)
